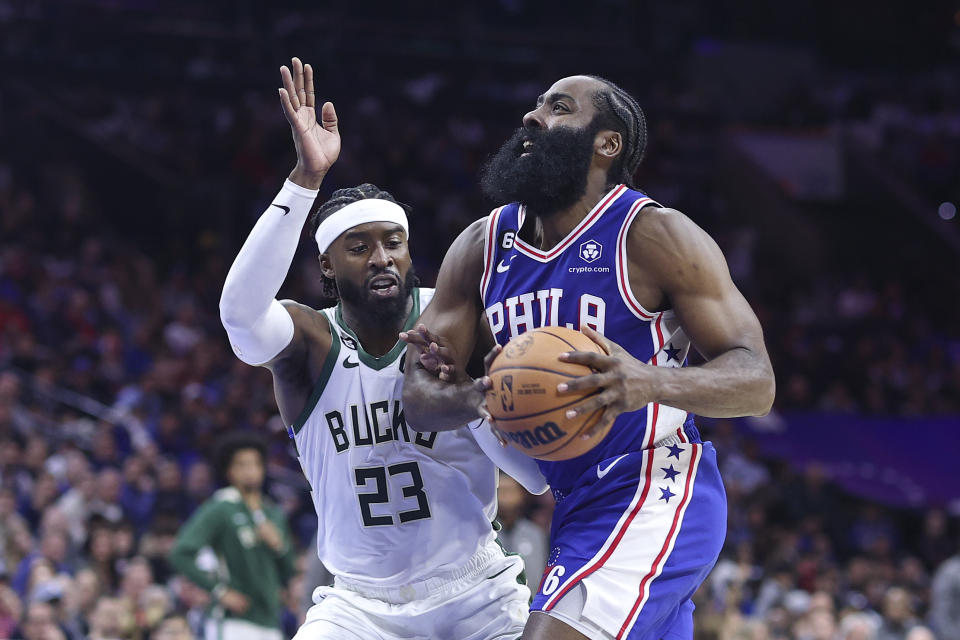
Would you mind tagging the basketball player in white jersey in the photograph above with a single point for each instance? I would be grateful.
(404, 516)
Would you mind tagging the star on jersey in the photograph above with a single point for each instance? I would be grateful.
(666, 494)
(669, 474)
(672, 354)
(674, 451)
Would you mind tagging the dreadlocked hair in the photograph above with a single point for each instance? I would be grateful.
(338, 200)
(619, 111)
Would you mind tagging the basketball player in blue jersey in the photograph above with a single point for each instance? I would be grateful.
(404, 517)
(640, 518)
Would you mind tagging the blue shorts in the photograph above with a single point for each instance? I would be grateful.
(636, 536)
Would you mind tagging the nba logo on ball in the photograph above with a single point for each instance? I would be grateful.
(506, 392)
(590, 250)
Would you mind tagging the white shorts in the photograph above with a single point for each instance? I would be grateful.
(232, 629)
(480, 601)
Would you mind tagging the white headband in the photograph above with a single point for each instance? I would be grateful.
(357, 213)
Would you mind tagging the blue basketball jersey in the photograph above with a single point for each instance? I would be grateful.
(583, 280)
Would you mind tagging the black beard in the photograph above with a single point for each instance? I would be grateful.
(552, 177)
(379, 311)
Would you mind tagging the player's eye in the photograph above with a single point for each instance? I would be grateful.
(360, 248)
(394, 243)
(560, 107)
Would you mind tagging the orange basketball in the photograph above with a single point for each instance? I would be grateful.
(524, 400)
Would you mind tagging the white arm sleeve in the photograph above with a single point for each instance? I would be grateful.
(514, 463)
(258, 326)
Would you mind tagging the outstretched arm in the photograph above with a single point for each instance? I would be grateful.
(261, 329)
(431, 404)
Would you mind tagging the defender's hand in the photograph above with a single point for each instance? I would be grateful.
(625, 383)
(435, 354)
(317, 143)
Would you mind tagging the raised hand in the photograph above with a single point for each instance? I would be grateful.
(317, 142)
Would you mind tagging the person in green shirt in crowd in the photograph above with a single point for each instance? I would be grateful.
(249, 535)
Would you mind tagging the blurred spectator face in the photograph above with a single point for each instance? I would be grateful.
(9, 387)
(246, 470)
(154, 604)
(53, 546)
(109, 619)
(920, 633)
(40, 571)
(896, 606)
(8, 502)
(199, 479)
(104, 444)
(35, 453)
(83, 591)
(20, 542)
(101, 545)
(10, 454)
(123, 540)
(136, 578)
(78, 467)
(821, 601)
(168, 476)
(55, 520)
(858, 626)
(173, 628)
(822, 626)
(133, 470)
(109, 483)
(44, 491)
(39, 622)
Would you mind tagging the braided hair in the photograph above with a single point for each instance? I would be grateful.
(338, 200)
(618, 110)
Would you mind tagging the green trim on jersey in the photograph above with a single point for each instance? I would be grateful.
(391, 356)
(328, 365)
(522, 578)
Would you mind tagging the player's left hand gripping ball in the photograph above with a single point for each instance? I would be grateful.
(625, 383)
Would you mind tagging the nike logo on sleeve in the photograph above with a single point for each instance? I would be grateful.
(286, 210)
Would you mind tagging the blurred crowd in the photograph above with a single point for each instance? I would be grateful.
(116, 379)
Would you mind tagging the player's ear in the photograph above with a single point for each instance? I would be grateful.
(326, 267)
(609, 143)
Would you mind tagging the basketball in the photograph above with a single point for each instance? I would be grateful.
(524, 400)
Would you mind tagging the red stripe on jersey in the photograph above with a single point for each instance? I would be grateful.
(618, 536)
(671, 536)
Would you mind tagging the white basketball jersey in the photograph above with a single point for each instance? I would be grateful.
(394, 506)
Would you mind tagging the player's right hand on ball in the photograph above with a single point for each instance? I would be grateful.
(234, 601)
(317, 142)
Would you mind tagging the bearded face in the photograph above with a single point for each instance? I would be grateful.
(543, 169)
(382, 295)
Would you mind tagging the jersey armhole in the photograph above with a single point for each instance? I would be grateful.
(623, 264)
(489, 251)
(325, 372)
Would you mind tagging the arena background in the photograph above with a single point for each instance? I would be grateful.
(819, 142)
